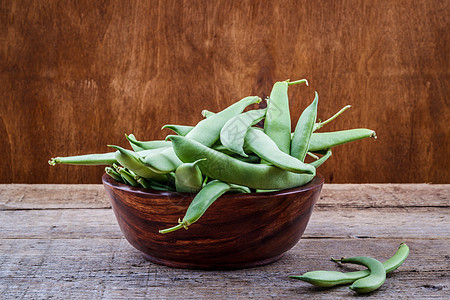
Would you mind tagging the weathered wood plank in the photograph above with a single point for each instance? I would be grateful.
(108, 268)
(385, 195)
(52, 245)
(343, 223)
(50, 196)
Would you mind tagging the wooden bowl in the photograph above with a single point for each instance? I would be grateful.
(237, 231)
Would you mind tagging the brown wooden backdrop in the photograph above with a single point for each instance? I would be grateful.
(77, 75)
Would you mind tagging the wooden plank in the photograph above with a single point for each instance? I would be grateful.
(384, 195)
(343, 223)
(52, 196)
(48, 196)
(53, 246)
(107, 268)
(67, 89)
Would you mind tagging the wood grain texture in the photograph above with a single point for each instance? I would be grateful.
(72, 196)
(267, 225)
(76, 76)
(80, 253)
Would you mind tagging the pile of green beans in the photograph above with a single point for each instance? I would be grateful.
(361, 282)
(227, 152)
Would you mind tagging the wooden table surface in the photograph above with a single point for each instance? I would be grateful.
(62, 241)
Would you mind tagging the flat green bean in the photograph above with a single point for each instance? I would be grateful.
(162, 162)
(327, 140)
(303, 130)
(219, 147)
(127, 177)
(113, 173)
(179, 129)
(130, 137)
(91, 159)
(152, 185)
(143, 182)
(277, 124)
(206, 132)
(227, 169)
(374, 280)
(239, 189)
(263, 146)
(131, 160)
(251, 158)
(318, 162)
(333, 278)
(202, 201)
(233, 133)
(87, 159)
(188, 178)
(148, 145)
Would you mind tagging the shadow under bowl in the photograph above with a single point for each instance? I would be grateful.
(237, 231)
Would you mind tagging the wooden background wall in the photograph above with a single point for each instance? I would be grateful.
(76, 75)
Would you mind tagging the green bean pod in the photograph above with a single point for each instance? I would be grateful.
(251, 158)
(179, 129)
(318, 162)
(263, 146)
(130, 137)
(303, 130)
(239, 189)
(327, 278)
(127, 177)
(202, 201)
(374, 280)
(205, 132)
(369, 282)
(87, 159)
(233, 132)
(148, 145)
(152, 185)
(327, 140)
(221, 148)
(113, 173)
(277, 124)
(131, 160)
(143, 182)
(188, 178)
(333, 278)
(90, 159)
(163, 162)
(228, 169)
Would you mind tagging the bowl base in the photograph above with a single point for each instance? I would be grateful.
(199, 266)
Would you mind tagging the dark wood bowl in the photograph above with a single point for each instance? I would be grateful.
(237, 231)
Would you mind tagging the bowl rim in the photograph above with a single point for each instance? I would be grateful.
(318, 180)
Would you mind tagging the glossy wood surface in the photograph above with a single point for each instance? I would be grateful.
(237, 231)
(76, 75)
